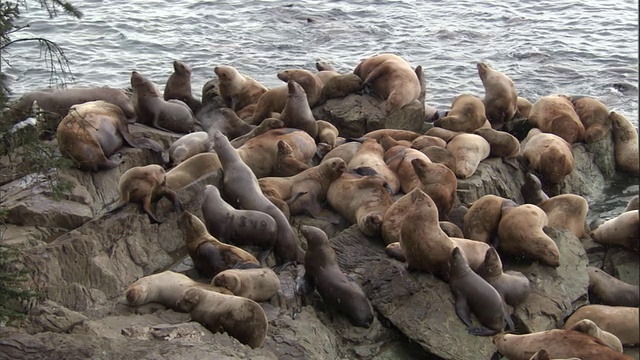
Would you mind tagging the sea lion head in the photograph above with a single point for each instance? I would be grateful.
(492, 265)
(181, 68)
(137, 294)
(335, 167)
(143, 86)
(295, 90)
(227, 280)
(483, 69)
(315, 236)
(190, 299)
(191, 226)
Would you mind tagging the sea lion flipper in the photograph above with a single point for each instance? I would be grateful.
(173, 197)
(137, 142)
(481, 331)
(279, 268)
(146, 206)
(463, 310)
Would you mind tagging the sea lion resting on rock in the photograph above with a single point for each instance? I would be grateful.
(502, 144)
(439, 182)
(236, 89)
(178, 86)
(242, 318)
(555, 114)
(344, 151)
(625, 144)
(240, 227)
(297, 113)
(623, 230)
(513, 286)
(209, 255)
(595, 118)
(482, 219)
(255, 284)
(371, 154)
(309, 82)
(164, 288)
(467, 114)
(95, 130)
(323, 273)
(589, 327)
(468, 150)
(621, 321)
(567, 211)
(144, 184)
(398, 159)
(151, 108)
(549, 155)
(500, 99)
(192, 169)
(189, 145)
(265, 125)
(327, 133)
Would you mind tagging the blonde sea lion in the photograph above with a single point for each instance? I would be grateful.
(482, 219)
(236, 89)
(523, 108)
(297, 113)
(625, 144)
(340, 86)
(164, 288)
(192, 169)
(423, 141)
(393, 219)
(272, 101)
(94, 131)
(255, 284)
(178, 86)
(387, 142)
(439, 182)
(144, 184)
(209, 255)
(632, 204)
(391, 77)
(323, 273)
(344, 151)
(473, 251)
(543, 354)
(442, 133)
(440, 155)
(239, 227)
(587, 326)
(265, 125)
(567, 211)
(595, 118)
(468, 150)
(502, 144)
(189, 145)
(398, 159)
(467, 114)
(500, 98)
(307, 80)
(327, 133)
(621, 321)
(241, 318)
(549, 155)
(513, 286)
(608, 290)
(555, 114)
(395, 134)
(371, 154)
(623, 230)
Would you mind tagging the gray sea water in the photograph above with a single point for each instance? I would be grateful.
(577, 47)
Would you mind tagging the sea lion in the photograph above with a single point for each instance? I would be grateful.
(144, 184)
(394, 250)
(323, 273)
(625, 144)
(468, 150)
(520, 233)
(452, 230)
(549, 155)
(621, 321)
(229, 124)
(371, 154)
(472, 250)
(623, 230)
(164, 288)
(558, 343)
(531, 190)
(209, 255)
(387, 142)
(555, 114)
(192, 169)
(393, 219)
(502, 144)
(440, 155)
(467, 114)
(178, 86)
(442, 133)
(239, 227)
(473, 294)
(189, 145)
(424, 141)
(152, 109)
(500, 97)
(255, 284)
(439, 182)
(395, 134)
(482, 219)
(542, 354)
(595, 118)
(304, 192)
(236, 89)
(399, 160)
(608, 290)
(587, 326)
(391, 77)
(523, 108)
(513, 286)
(567, 211)
(241, 185)
(242, 318)
(265, 125)
(297, 113)
(633, 204)
(307, 80)
(272, 101)
(327, 133)
(340, 86)
(362, 200)
(344, 151)
(286, 163)
(94, 131)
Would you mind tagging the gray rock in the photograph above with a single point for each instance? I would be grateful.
(493, 176)
(623, 264)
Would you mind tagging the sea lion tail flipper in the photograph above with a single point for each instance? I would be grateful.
(510, 325)
(173, 197)
(119, 205)
(246, 265)
(463, 311)
(137, 142)
(321, 214)
(481, 331)
(279, 268)
(146, 206)
(365, 171)
(295, 197)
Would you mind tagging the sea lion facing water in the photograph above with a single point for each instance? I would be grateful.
(625, 144)
(467, 114)
(623, 230)
(178, 86)
(555, 114)
(236, 89)
(500, 99)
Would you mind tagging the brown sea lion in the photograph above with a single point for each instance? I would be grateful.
(482, 219)
(192, 169)
(567, 211)
(394, 250)
(241, 318)
(441, 156)
(549, 155)
(297, 113)
(595, 118)
(608, 290)
(424, 141)
(265, 125)
(340, 86)
(542, 354)
(255, 284)
(621, 321)
(502, 144)
(344, 151)
(468, 150)
(94, 131)
(144, 184)
(327, 133)
(164, 288)
(558, 343)
(500, 97)
(236, 89)
(371, 154)
(467, 114)
(625, 144)
(189, 145)
(399, 160)
(439, 182)
(239, 227)
(531, 190)
(623, 230)
(209, 255)
(587, 326)
(520, 233)
(451, 229)
(473, 251)
(391, 77)
(513, 286)
(307, 80)
(152, 109)
(555, 114)
(394, 217)
(241, 185)
(363, 200)
(395, 134)
(304, 192)
(272, 101)
(442, 133)
(178, 86)
(323, 273)
(473, 294)
(523, 108)
(230, 124)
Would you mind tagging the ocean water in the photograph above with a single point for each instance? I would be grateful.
(576, 47)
